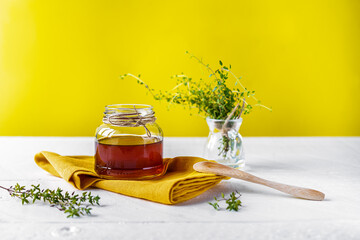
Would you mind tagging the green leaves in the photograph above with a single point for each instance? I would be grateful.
(215, 205)
(71, 204)
(233, 203)
(224, 146)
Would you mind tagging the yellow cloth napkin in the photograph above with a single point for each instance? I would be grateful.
(180, 182)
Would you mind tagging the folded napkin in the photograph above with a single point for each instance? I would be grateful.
(180, 182)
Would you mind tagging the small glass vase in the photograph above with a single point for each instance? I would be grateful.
(225, 144)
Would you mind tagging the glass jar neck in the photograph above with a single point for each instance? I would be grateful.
(129, 115)
(129, 110)
(216, 125)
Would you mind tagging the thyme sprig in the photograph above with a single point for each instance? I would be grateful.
(74, 205)
(233, 202)
(212, 97)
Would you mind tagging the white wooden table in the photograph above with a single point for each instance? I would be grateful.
(331, 165)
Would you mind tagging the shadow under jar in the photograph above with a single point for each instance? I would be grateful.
(129, 143)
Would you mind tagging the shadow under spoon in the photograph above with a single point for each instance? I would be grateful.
(219, 169)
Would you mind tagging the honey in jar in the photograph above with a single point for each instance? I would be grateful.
(129, 143)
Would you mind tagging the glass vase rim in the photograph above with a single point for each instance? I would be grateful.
(223, 120)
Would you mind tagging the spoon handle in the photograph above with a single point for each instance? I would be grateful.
(219, 169)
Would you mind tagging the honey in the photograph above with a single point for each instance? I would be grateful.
(129, 157)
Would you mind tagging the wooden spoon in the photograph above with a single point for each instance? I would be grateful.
(219, 169)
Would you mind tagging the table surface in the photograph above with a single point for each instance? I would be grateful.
(331, 165)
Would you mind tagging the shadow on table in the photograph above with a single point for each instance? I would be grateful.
(229, 187)
(275, 166)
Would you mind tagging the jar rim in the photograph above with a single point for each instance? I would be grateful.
(126, 106)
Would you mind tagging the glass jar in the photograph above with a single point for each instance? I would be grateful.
(224, 143)
(129, 143)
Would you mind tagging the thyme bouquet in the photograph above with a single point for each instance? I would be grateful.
(212, 97)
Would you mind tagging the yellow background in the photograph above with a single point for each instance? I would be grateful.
(60, 61)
